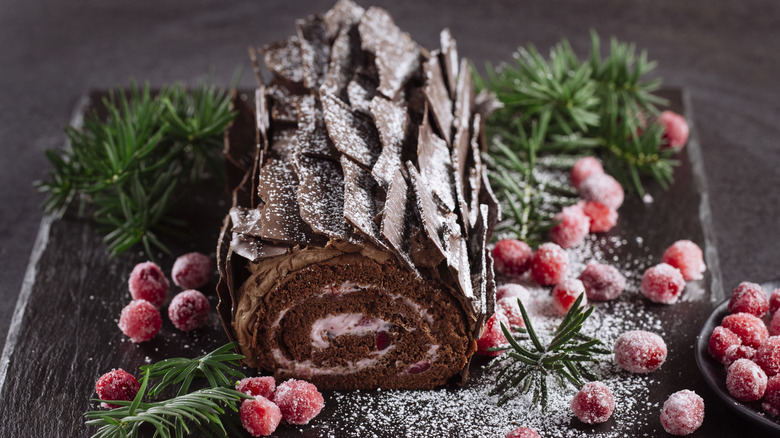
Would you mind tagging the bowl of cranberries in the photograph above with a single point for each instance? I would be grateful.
(738, 352)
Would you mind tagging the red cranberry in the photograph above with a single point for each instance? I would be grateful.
(768, 356)
(512, 257)
(720, 341)
(749, 298)
(774, 301)
(189, 310)
(571, 228)
(147, 282)
(492, 336)
(299, 401)
(565, 293)
(523, 432)
(771, 400)
(602, 282)
(602, 188)
(639, 351)
(512, 290)
(254, 386)
(683, 413)
(675, 129)
(192, 270)
(687, 257)
(583, 168)
(750, 329)
(594, 403)
(602, 218)
(509, 308)
(549, 265)
(774, 324)
(140, 321)
(260, 416)
(736, 352)
(116, 384)
(746, 381)
(662, 284)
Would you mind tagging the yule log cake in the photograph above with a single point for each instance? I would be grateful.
(354, 255)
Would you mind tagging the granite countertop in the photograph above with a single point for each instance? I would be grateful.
(721, 52)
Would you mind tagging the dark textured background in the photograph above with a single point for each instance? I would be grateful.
(723, 52)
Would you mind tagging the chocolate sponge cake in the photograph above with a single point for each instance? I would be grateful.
(354, 255)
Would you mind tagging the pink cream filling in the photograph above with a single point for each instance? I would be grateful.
(332, 326)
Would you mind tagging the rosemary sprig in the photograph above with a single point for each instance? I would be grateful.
(565, 357)
(129, 170)
(206, 409)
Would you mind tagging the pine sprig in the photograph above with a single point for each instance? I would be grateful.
(565, 356)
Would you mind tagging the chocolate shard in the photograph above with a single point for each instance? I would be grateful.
(449, 60)
(475, 173)
(457, 258)
(438, 97)
(460, 161)
(477, 254)
(361, 91)
(239, 142)
(253, 249)
(315, 50)
(428, 212)
(487, 197)
(397, 57)
(246, 221)
(345, 13)
(361, 203)
(280, 216)
(283, 59)
(395, 227)
(436, 165)
(464, 100)
(345, 54)
(392, 122)
(353, 134)
(312, 135)
(283, 104)
(283, 143)
(261, 113)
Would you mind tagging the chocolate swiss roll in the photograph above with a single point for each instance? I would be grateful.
(354, 255)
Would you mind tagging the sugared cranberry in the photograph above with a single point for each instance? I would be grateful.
(583, 168)
(774, 301)
(687, 257)
(260, 416)
(602, 218)
(746, 381)
(640, 351)
(675, 129)
(189, 310)
(749, 298)
(116, 384)
(492, 336)
(523, 432)
(736, 352)
(512, 290)
(511, 310)
(720, 341)
(594, 403)
(147, 282)
(192, 270)
(602, 282)
(774, 324)
(683, 413)
(662, 283)
(750, 329)
(254, 386)
(549, 265)
(512, 257)
(299, 401)
(602, 188)
(571, 228)
(771, 400)
(768, 356)
(140, 321)
(566, 292)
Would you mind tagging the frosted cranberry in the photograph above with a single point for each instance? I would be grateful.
(492, 336)
(116, 384)
(774, 324)
(254, 386)
(687, 257)
(583, 168)
(509, 308)
(639, 351)
(736, 352)
(566, 292)
(147, 282)
(602, 218)
(683, 413)
(720, 341)
(549, 265)
(749, 298)
(602, 188)
(768, 356)
(140, 321)
(260, 416)
(571, 228)
(512, 290)
(746, 381)
(594, 403)
(299, 401)
(192, 270)
(750, 329)
(774, 301)
(771, 400)
(189, 310)
(662, 284)
(512, 257)
(523, 432)
(602, 282)
(675, 129)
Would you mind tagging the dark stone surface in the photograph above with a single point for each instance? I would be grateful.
(722, 52)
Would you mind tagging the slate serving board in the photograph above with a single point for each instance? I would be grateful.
(64, 335)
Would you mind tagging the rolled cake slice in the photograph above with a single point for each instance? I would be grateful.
(355, 252)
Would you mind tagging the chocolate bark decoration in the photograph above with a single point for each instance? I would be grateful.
(475, 173)
(396, 55)
(312, 136)
(464, 100)
(435, 165)
(283, 143)
(246, 221)
(396, 221)
(353, 134)
(361, 91)
(361, 204)
(280, 216)
(438, 97)
(345, 13)
(239, 142)
(315, 50)
(283, 59)
(344, 56)
(392, 122)
(283, 104)
(254, 250)
(426, 207)
(449, 60)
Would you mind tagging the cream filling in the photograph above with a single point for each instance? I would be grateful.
(306, 368)
(332, 326)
